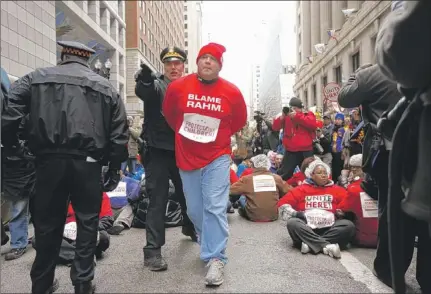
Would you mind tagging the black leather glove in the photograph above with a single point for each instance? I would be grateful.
(111, 180)
(145, 74)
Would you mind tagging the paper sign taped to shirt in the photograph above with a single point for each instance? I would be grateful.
(200, 128)
(264, 183)
(120, 191)
(70, 230)
(319, 218)
(369, 206)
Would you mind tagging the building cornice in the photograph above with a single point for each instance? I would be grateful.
(369, 13)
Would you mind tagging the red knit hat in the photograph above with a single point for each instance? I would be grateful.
(213, 49)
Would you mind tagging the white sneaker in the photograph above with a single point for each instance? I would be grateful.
(215, 275)
(332, 250)
(304, 248)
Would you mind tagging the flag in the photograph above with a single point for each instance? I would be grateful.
(296, 170)
(320, 48)
(349, 12)
(331, 34)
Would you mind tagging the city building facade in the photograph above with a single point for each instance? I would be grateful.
(192, 33)
(28, 39)
(101, 26)
(151, 27)
(332, 43)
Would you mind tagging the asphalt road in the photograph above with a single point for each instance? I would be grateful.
(261, 259)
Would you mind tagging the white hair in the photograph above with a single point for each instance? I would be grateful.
(310, 169)
(356, 160)
(261, 161)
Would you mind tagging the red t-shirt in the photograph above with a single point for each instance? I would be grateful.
(204, 117)
(366, 211)
(233, 177)
(308, 196)
(105, 209)
(296, 180)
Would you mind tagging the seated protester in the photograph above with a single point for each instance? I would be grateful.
(362, 205)
(271, 156)
(260, 191)
(278, 160)
(314, 213)
(245, 164)
(298, 177)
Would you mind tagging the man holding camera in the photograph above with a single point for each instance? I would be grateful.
(299, 128)
(158, 154)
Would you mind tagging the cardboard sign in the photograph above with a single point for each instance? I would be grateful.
(330, 92)
(369, 206)
(120, 191)
(70, 231)
(264, 183)
(319, 218)
(200, 128)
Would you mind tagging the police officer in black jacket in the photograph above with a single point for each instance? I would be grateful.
(159, 154)
(77, 123)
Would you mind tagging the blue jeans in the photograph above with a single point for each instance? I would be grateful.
(18, 224)
(131, 164)
(207, 194)
(242, 201)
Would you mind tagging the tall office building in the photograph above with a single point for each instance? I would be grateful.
(344, 40)
(27, 36)
(151, 27)
(276, 86)
(192, 33)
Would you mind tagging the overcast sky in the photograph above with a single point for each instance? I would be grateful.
(234, 25)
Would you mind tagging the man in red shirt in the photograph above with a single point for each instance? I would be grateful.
(299, 131)
(205, 110)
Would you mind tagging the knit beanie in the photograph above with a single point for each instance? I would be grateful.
(339, 115)
(213, 49)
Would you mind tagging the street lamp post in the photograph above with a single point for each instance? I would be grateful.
(104, 72)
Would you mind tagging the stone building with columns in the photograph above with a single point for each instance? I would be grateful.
(351, 46)
(151, 27)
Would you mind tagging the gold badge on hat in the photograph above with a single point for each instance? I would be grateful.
(171, 53)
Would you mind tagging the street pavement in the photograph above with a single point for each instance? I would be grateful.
(261, 260)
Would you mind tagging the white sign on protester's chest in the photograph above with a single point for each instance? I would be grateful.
(198, 127)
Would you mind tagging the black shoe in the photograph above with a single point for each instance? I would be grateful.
(116, 229)
(4, 240)
(190, 232)
(85, 288)
(15, 253)
(231, 210)
(156, 263)
(54, 287)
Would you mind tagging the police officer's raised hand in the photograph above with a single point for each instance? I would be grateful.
(144, 74)
(111, 180)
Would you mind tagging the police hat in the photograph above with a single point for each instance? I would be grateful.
(75, 48)
(173, 53)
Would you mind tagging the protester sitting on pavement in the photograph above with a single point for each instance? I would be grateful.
(298, 177)
(278, 160)
(245, 164)
(271, 157)
(193, 103)
(362, 205)
(260, 191)
(314, 213)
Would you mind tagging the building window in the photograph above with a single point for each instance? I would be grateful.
(186, 43)
(355, 61)
(338, 75)
(143, 5)
(145, 28)
(141, 45)
(186, 35)
(141, 23)
(314, 101)
(140, 4)
(185, 17)
(305, 96)
(324, 81)
(373, 47)
(185, 26)
(145, 50)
